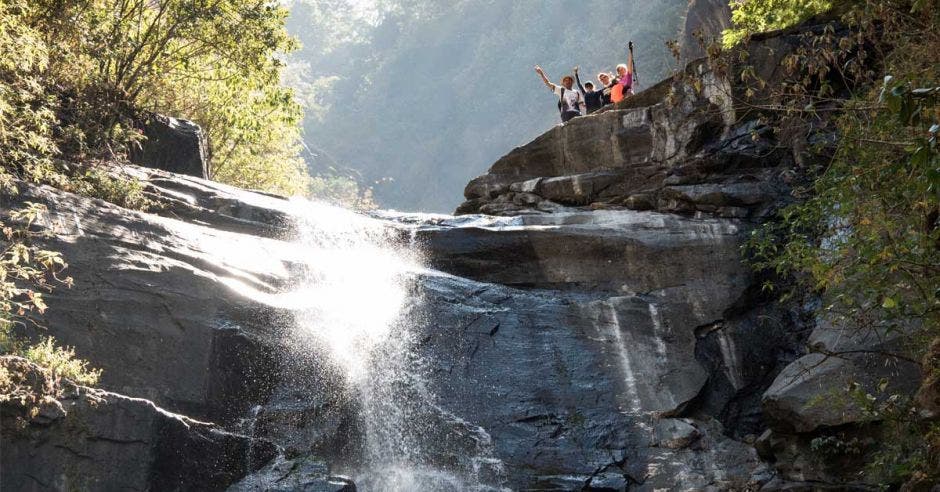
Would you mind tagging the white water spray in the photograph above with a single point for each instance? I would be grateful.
(355, 302)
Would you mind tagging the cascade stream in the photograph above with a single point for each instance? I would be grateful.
(355, 305)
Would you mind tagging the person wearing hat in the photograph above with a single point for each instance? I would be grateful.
(570, 102)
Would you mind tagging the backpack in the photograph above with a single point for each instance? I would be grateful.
(561, 104)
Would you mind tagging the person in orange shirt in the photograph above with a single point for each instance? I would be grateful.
(607, 83)
(623, 84)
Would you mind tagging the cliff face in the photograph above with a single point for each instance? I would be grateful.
(598, 330)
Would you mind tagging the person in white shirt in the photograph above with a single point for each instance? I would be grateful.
(570, 102)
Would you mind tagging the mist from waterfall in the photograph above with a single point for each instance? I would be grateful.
(356, 303)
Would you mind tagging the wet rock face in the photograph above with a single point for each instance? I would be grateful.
(583, 341)
(621, 251)
(302, 474)
(150, 307)
(573, 388)
(87, 439)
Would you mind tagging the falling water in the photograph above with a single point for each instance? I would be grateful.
(357, 304)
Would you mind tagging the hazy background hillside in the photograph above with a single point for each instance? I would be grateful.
(415, 97)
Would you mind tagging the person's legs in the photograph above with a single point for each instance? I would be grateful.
(567, 115)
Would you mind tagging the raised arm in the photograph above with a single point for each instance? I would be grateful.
(578, 80)
(541, 73)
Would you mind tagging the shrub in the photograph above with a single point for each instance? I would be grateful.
(26, 271)
(866, 235)
(62, 362)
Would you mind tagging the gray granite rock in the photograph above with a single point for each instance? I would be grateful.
(174, 145)
(300, 475)
(675, 433)
(154, 304)
(96, 440)
(705, 20)
(814, 391)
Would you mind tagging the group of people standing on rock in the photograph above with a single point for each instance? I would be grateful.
(588, 99)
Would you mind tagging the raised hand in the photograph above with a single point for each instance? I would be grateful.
(576, 69)
(538, 69)
(630, 45)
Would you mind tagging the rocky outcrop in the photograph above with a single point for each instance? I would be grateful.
(682, 152)
(173, 145)
(694, 144)
(76, 438)
(616, 250)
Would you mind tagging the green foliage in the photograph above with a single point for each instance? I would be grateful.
(754, 16)
(86, 70)
(26, 272)
(834, 446)
(62, 362)
(27, 111)
(96, 182)
(907, 443)
(867, 234)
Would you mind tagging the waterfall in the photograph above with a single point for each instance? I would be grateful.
(356, 303)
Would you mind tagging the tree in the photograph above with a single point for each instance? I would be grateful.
(213, 61)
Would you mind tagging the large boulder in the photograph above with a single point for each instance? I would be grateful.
(173, 145)
(824, 409)
(700, 127)
(815, 391)
(88, 439)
